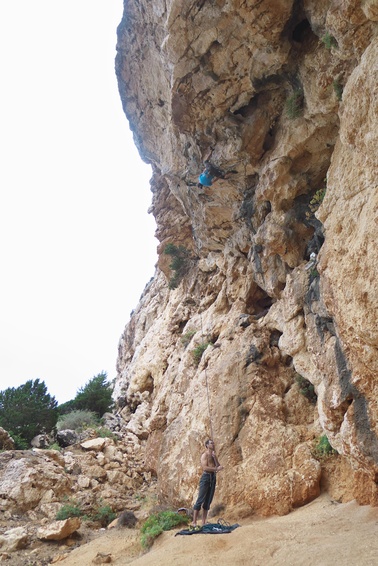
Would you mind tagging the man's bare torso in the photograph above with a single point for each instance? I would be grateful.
(207, 460)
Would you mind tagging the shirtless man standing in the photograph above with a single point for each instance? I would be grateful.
(210, 466)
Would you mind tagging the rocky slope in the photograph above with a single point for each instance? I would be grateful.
(285, 94)
(97, 479)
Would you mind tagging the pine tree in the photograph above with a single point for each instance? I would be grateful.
(96, 395)
(28, 410)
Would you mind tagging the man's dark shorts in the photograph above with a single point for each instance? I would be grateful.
(206, 491)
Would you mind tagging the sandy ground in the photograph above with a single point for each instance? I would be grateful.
(322, 533)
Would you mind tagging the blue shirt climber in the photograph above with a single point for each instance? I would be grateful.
(210, 174)
(206, 178)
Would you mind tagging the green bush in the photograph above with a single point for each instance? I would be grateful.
(199, 350)
(159, 522)
(323, 448)
(68, 510)
(105, 515)
(306, 388)
(329, 41)
(316, 200)
(150, 535)
(77, 420)
(179, 265)
(294, 104)
(104, 432)
(187, 337)
(54, 446)
(19, 442)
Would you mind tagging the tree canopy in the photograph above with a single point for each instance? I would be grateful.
(95, 396)
(28, 410)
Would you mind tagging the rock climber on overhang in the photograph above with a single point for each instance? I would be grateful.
(210, 174)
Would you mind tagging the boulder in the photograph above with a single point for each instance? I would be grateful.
(14, 539)
(6, 441)
(40, 441)
(96, 444)
(59, 530)
(66, 438)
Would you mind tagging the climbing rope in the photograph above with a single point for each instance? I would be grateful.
(229, 169)
(207, 389)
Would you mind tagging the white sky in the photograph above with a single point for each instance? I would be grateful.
(76, 243)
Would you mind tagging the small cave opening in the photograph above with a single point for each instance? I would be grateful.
(315, 243)
(274, 337)
(301, 31)
(148, 385)
(288, 361)
(258, 301)
(248, 109)
(312, 228)
(266, 208)
(270, 138)
(182, 325)
(306, 388)
(213, 338)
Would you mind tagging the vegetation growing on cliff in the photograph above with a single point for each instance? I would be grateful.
(316, 200)
(198, 351)
(323, 448)
(179, 264)
(294, 104)
(338, 88)
(187, 337)
(306, 388)
(329, 40)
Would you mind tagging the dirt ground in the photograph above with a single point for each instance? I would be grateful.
(322, 533)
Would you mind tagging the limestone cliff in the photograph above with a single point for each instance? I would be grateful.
(284, 93)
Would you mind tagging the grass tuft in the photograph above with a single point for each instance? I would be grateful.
(323, 448)
(294, 104)
(179, 265)
(159, 522)
(198, 351)
(69, 510)
(329, 40)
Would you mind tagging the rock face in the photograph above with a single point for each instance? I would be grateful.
(278, 268)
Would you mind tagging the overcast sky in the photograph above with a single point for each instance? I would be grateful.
(77, 244)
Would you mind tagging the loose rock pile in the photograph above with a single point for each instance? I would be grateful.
(93, 474)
